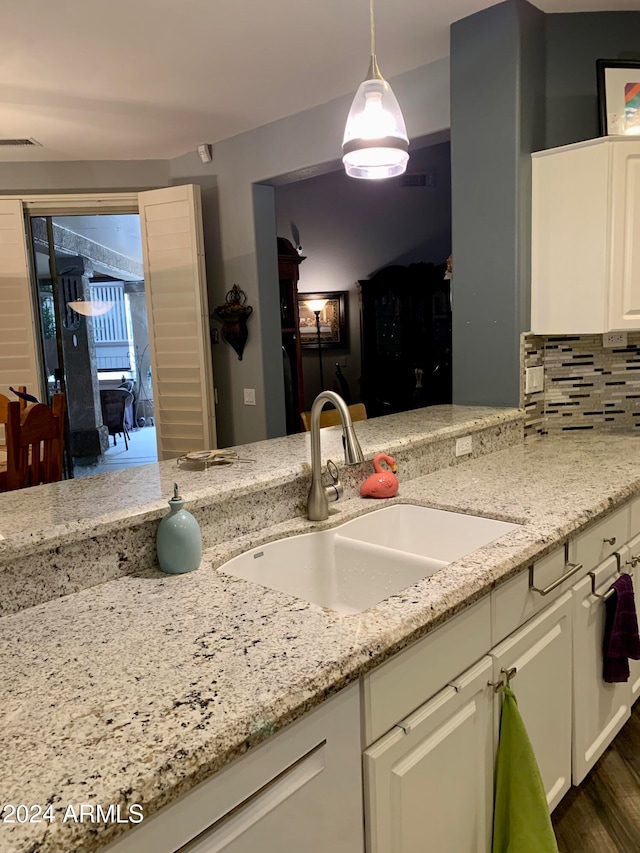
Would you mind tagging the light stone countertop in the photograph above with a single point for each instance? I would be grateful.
(74, 509)
(138, 689)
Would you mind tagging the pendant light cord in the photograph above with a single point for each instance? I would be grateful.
(373, 29)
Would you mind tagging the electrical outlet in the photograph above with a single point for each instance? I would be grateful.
(534, 380)
(464, 445)
(614, 339)
(249, 396)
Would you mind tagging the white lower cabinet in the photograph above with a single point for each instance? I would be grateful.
(429, 781)
(631, 562)
(299, 791)
(600, 709)
(541, 653)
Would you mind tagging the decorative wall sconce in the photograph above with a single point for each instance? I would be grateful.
(233, 314)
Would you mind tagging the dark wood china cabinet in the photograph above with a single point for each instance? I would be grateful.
(406, 338)
(288, 271)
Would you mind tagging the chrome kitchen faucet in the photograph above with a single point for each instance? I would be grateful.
(320, 495)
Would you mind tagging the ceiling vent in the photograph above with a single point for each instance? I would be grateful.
(19, 143)
(416, 179)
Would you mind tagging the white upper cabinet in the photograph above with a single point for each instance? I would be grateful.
(585, 252)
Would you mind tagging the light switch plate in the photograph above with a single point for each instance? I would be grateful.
(534, 380)
(249, 396)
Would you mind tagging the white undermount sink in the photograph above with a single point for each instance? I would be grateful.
(360, 563)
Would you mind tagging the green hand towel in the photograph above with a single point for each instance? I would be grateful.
(521, 819)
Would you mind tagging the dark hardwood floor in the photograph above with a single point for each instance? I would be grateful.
(603, 814)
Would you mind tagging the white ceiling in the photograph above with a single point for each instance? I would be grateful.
(136, 79)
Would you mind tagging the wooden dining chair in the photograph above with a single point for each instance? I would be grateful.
(10, 421)
(23, 397)
(330, 417)
(4, 400)
(36, 444)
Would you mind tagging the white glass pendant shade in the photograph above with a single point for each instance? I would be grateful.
(375, 143)
(92, 308)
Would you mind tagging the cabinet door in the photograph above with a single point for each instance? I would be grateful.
(630, 559)
(624, 290)
(541, 653)
(429, 781)
(600, 709)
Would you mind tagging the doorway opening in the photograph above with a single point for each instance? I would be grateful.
(374, 258)
(94, 338)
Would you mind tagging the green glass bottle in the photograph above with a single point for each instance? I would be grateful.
(179, 540)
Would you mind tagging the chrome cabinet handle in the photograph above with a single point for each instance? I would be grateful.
(508, 675)
(602, 595)
(611, 541)
(572, 568)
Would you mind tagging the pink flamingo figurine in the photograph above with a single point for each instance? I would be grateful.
(382, 484)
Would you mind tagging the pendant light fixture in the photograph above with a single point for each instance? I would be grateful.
(375, 143)
(90, 307)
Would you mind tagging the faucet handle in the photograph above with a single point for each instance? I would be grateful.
(335, 490)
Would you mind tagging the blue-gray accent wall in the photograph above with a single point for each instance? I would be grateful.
(497, 119)
(574, 42)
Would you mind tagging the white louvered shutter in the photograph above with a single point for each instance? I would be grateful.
(18, 349)
(178, 319)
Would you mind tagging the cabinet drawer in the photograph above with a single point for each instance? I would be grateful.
(513, 603)
(600, 540)
(634, 511)
(302, 787)
(398, 687)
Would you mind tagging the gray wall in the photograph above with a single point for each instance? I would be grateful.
(349, 229)
(298, 146)
(497, 119)
(574, 42)
(83, 176)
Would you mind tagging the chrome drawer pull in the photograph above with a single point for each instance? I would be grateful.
(572, 568)
(611, 541)
(602, 595)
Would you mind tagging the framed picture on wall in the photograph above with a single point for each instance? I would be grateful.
(331, 310)
(618, 96)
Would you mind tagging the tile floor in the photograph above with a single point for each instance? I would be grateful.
(142, 450)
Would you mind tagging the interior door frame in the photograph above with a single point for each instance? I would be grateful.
(67, 204)
(89, 204)
(64, 204)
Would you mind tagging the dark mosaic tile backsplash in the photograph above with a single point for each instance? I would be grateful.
(586, 386)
